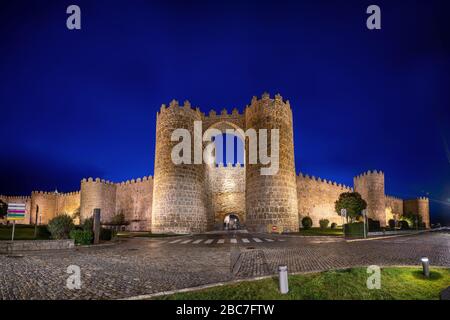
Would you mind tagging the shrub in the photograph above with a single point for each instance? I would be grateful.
(354, 230)
(391, 223)
(60, 226)
(404, 225)
(333, 225)
(82, 237)
(324, 223)
(105, 234)
(307, 223)
(374, 225)
(88, 224)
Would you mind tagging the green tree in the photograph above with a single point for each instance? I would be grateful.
(352, 202)
(3, 209)
(414, 220)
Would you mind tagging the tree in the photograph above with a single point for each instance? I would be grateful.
(414, 220)
(352, 202)
(3, 209)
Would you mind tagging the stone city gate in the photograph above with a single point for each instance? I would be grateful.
(197, 197)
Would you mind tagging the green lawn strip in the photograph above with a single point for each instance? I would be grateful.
(21, 233)
(397, 283)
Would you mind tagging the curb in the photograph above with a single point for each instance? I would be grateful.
(388, 237)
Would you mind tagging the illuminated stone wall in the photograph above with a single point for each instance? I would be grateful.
(134, 199)
(316, 198)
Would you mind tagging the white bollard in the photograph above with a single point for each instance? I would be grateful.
(425, 267)
(283, 276)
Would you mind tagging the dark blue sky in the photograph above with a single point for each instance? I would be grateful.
(83, 103)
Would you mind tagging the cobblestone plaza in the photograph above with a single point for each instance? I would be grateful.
(139, 266)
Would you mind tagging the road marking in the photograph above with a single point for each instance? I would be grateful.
(209, 241)
(233, 240)
(281, 240)
(221, 241)
(270, 240)
(257, 240)
(245, 240)
(197, 241)
(175, 241)
(186, 241)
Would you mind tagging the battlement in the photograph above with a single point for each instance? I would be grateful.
(418, 199)
(15, 198)
(134, 181)
(174, 105)
(267, 101)
(107, 182)
(221, 165)
(45, 193)
(393, 198)
(325, 181)
(97, 180)
(369, 174)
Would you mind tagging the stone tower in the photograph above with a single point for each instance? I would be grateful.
(97, 194)
(419, 206)
(272, 199)
(179, 197)
(370, 185)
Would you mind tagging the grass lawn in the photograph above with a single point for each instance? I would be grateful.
(320, 232)
(22, 233)
(403, 283)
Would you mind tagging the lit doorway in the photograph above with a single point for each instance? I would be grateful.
(231, 222)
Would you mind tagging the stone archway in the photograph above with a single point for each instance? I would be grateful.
(225, 183)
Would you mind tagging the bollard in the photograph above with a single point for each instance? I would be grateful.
(425, 267)
(96, 226)
(283, 276)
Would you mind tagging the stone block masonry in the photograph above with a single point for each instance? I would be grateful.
(194, 198)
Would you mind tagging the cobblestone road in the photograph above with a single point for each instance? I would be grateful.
(143, 266)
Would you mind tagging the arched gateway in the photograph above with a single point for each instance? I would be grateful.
(197, 197)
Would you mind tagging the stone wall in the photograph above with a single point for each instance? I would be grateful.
(316, 198)
(47, 206)
(394, 208)
(228, 192)
(134, 200)
(8, 247)
(68, 203)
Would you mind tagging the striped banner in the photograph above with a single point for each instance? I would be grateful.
(16, 211)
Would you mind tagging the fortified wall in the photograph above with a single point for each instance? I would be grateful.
(193, 198)
(133, 198)
(316, 198)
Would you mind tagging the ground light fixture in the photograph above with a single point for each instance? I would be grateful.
(283, 278)
(425, 266)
